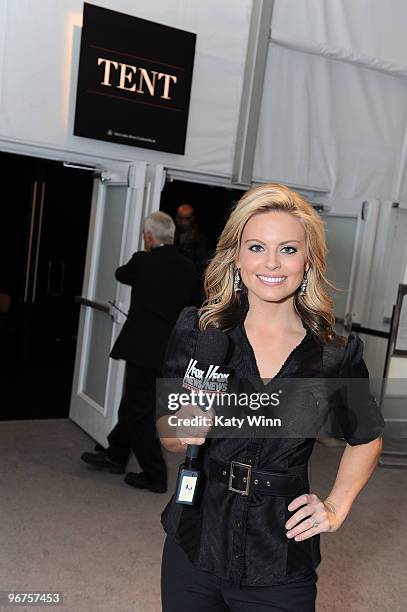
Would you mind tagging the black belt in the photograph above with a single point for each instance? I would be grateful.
(242, 478)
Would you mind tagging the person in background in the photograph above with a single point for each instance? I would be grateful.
(162, 283)
(190, 241)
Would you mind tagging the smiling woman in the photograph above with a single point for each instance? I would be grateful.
(273, 246)
(272, 270)
(252, 540)
(265, 262)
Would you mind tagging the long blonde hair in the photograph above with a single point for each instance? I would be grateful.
(222, 306)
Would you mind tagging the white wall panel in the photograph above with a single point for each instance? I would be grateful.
(370, 27)
(329, 123)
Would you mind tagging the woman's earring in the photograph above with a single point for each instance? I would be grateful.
(304, 284)
(236, 282)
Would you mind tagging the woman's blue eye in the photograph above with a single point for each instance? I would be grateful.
(257, 248)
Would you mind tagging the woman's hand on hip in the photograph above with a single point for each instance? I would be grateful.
(312, 516)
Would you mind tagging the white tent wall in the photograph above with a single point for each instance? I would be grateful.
(39, 55)
(333, 116)
(369, 27)
(330, 123)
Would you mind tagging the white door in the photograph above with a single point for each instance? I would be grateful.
(117, 212)
(350, 229)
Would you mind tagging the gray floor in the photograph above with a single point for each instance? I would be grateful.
(64, 527)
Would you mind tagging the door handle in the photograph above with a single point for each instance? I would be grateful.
(102, 306)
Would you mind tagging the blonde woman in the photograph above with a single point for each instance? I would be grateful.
(255, 545)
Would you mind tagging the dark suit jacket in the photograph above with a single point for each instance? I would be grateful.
(163, 282)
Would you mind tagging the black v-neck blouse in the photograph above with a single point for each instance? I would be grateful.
(249, 350)
(242, 539)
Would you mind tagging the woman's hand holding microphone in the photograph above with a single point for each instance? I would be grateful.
(193, 425)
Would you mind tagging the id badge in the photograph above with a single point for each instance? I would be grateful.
(187, 486)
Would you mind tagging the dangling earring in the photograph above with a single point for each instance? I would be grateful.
(304, 284)
(236, 282)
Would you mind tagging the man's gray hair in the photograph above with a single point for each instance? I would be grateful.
(161, 226)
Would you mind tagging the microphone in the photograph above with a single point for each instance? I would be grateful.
(204, 376)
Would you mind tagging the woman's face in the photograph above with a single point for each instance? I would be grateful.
(272, 257)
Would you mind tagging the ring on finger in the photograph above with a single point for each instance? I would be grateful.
(314, 522)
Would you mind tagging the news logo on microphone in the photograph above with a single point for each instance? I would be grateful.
(206, 378)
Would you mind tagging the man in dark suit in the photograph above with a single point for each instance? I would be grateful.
(163, 282)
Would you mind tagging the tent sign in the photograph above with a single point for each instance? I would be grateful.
(134, 81)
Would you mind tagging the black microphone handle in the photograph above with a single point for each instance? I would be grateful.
(192, 451)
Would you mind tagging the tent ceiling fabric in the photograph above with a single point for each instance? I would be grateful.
(341, 54)
(330, 123)
(370, 27)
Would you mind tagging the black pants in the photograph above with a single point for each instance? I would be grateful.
(135, 430)
(185, 588)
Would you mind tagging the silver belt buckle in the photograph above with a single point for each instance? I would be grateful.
(246, 479)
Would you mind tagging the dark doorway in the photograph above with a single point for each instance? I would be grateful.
(43, 235)
(212, 205)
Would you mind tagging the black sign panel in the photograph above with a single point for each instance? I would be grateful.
(134, 81)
